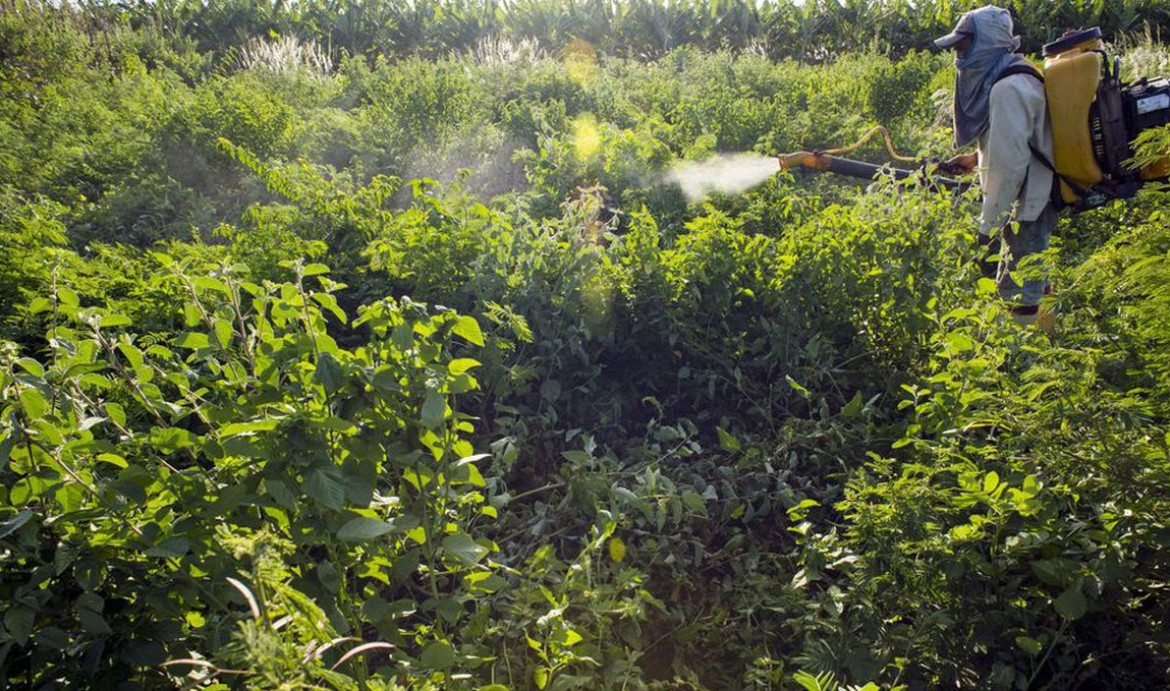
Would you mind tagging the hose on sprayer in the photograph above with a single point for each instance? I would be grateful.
(831, 161)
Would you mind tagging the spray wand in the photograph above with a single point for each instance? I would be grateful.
(830, 161)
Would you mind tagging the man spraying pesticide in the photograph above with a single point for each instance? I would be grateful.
(1046, 140)
(1000, 104)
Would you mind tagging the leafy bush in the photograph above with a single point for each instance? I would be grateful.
(138, 458)
(784, 437)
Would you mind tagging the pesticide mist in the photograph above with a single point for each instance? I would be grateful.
(726, 173)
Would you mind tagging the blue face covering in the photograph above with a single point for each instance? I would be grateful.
(992, 51)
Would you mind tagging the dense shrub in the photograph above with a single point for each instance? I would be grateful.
(421, 373)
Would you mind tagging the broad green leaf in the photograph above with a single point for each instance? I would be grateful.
(461, 365)
(109, 321)
(224, 332)
(279, 490)
(694, 502)
(362, 529)
(468, 474)
(577, 457)
(468, 328)
(132, 483)
(31, 366)
(966, 531)
(853, 408)
(132, 354)
(171, 439)
(1071, 604)
(541, 676)
(93, 622)
(450, 609)
(248, 428)
(116, 413)
(960, 342)
(1029, 645)
(379, 612)
(229, 498)
(484, 581)
(418, 478)
(191, 315)
(329, 576)
(19, 621)
(1057, 572)
(11, 525)
(171, 547)
(65, 555)
(211, 283)
(329, 373)
(434, 409)
(51, 638)
(7, 444)
(727, 442)
(329, 303)
(990, 482)
(376, 610)
(463, 548)
(68, 296)
(438, 655)
(34, 404)
(361, 479)
(193, 340)
(325, 486)
(551, 391)
(403, 608)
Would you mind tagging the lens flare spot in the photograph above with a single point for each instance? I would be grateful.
(586, 136)
(581, 61)
(597, 304)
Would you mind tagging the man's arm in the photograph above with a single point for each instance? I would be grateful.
(1007, 156)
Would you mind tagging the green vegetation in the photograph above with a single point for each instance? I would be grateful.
(369, 347)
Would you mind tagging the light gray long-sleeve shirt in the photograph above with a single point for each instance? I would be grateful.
(1013, 180)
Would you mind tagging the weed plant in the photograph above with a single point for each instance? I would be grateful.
(415, 372)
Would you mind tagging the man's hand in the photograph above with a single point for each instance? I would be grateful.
(960, 165)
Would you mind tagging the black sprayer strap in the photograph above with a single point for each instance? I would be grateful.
(1028, 69)
(1039, 155)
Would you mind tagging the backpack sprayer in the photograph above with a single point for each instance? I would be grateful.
(1095, 119)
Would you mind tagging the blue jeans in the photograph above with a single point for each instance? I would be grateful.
(1024, 244)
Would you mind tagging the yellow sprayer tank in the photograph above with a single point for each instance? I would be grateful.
(1072, 73)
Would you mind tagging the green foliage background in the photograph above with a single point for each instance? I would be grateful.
(369, 346)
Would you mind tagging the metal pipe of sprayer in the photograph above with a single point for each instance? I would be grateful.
(858, 169)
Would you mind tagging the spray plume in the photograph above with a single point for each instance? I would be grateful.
(726, 173)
